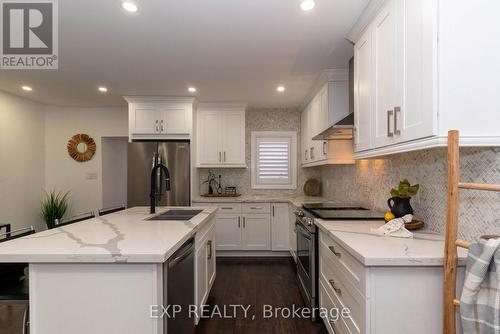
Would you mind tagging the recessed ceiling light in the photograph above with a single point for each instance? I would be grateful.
(27, 88)
(280, 89)
(192, 89)
(103, 89)
(129, 6)
(306, 5)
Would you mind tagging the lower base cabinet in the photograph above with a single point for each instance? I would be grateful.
(204, 264)
(243, 232)
(378, 299)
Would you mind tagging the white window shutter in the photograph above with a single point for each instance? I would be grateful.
(274, 160)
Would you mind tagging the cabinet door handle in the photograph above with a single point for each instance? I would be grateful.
(220, 157)
(334, 287)
(161, 125)
(389, 114)
(305, 154)
(324, 148)
(332, 249)
(244, 221)
(156, 127)
(224, 156)
(209, 244)
(311, 153)
(273, 211)
(226, 208)
(396, 111)
(239, 225)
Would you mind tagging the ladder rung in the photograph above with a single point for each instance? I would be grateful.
(479, 186)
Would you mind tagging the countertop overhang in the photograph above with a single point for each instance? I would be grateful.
(121, 237)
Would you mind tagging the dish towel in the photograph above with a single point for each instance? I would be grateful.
(395, 228)
(480, 300)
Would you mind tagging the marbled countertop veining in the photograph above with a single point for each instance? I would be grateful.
(424, 249)
(121, 237)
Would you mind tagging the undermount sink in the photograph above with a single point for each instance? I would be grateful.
(176, 215)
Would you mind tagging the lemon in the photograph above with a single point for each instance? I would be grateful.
(389, 216)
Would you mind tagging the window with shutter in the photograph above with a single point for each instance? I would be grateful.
(274, 160)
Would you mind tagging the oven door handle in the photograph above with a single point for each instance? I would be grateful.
(303, 231)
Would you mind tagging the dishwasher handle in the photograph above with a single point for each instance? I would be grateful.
(182, 253)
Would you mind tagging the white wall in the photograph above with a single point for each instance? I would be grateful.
(21, 161)
(63, 173)
(114, 171)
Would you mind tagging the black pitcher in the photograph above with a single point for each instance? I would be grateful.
(400, 206)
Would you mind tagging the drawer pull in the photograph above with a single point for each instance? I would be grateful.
(226, 208)
(334, 286)
(334, 251)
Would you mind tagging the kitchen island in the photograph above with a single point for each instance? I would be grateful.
(104, 274)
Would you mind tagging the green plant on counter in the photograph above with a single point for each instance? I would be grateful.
(405, 190)
(211, 181)
(54, 206)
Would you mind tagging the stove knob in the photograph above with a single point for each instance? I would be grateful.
(299, 213)
(309, 221)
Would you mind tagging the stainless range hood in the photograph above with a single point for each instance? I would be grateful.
(344, 128)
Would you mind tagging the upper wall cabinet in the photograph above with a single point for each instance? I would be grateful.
(161, 118)
(220, 135)
(327, 107)
(400, 105)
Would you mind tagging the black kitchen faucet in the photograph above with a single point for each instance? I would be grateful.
(153, 194)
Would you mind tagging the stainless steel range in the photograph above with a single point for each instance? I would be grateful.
(307, 242)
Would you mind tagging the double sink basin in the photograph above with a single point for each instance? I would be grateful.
(175, 215)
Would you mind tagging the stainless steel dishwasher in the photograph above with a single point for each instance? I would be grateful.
(179, 288)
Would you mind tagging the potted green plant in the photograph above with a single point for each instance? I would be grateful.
(54, 206)
(399, 203)
(211, 181)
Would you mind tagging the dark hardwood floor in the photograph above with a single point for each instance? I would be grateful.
(255, 283)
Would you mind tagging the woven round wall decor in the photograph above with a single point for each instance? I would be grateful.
(81, 147)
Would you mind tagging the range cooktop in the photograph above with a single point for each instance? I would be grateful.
(329, 211)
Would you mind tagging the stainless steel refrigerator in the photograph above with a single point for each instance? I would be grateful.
(141, 158)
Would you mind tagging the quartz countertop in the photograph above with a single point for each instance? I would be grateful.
(297, 201)
(425, 249)
(121, 237)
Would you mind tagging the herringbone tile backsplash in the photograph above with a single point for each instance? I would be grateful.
(369, 181)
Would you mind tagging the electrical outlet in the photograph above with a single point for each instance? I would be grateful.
(91, 176)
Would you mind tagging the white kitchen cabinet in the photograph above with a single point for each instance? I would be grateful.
(228, 231)
(160, 118)
(363, 92)
(221, 135)
(280, 225)
(251, 226)
(328, 106)
(256, 232)
(204, 263)
(366, 291)
(385, 75)
(421, 88)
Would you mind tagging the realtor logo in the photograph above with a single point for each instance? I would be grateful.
(29, 34)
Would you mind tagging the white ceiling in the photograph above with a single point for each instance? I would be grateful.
(231, 50)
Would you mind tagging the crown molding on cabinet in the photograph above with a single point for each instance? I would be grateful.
(364, 20)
